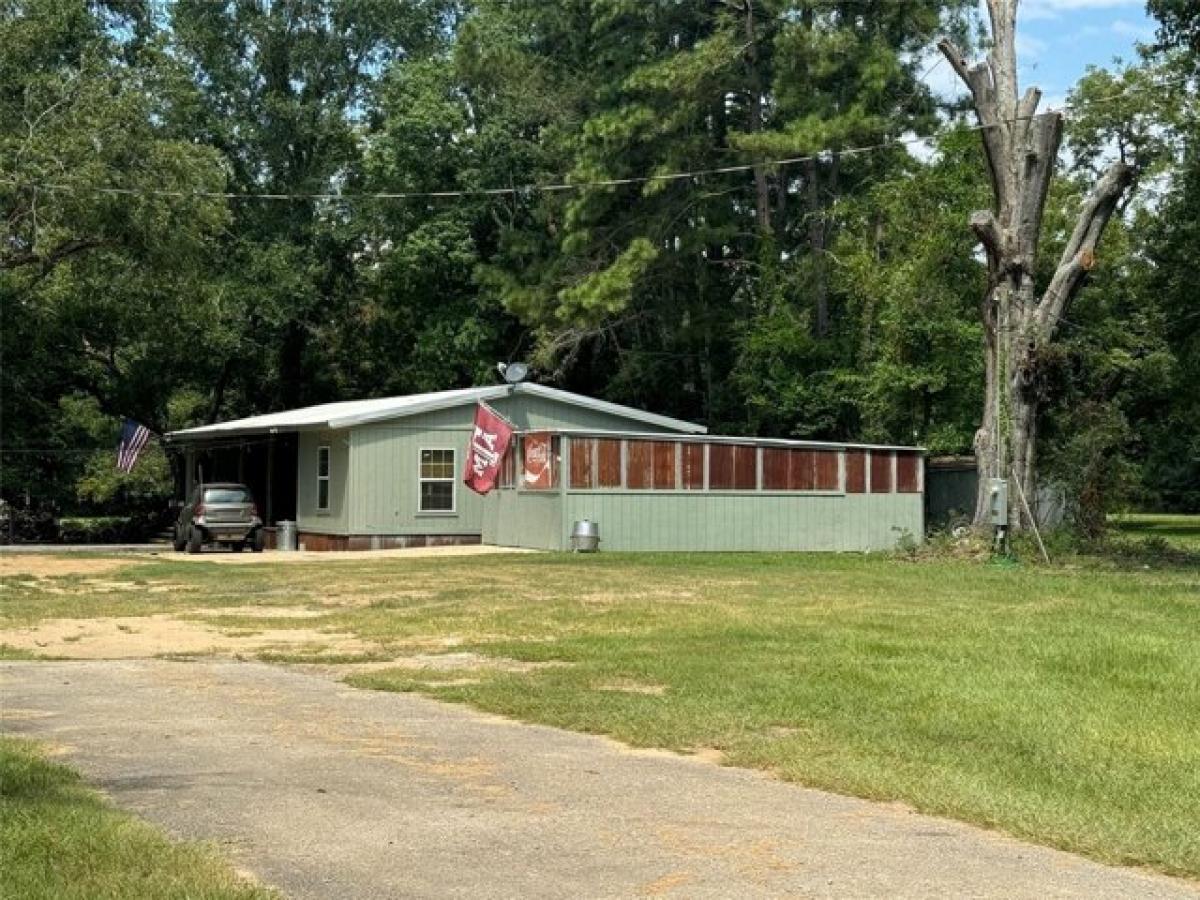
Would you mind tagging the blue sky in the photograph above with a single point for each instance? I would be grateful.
(1058, 39)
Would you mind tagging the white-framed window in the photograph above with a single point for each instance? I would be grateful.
(323, 477)
(435, 480)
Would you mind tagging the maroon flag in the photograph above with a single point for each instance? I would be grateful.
(489, 443)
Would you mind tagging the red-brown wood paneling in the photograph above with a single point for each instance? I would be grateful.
(639, 465)
(908, 472)
(664, 465)
(720, 467)
(608, 463)
(745, 468)
(881, 472)
(826, 470)
(856, 472)
(692, 466)
(775, 468)
(583, 469)
(802, 475)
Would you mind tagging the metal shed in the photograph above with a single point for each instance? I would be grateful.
(386, 473)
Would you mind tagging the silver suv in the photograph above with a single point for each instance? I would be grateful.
(222, 513)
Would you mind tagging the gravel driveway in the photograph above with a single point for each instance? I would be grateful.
(331, 792)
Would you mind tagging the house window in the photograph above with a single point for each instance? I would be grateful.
(323, 478)
(437, 481)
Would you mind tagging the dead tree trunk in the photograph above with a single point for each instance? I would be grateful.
(1021, 146)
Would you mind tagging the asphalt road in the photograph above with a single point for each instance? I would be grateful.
(330, 792)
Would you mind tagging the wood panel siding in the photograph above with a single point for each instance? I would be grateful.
(908, 472)
(881, 472)
(720, 467)
(856, 472)
(583, 453)
(775, 468)
(826, 469)
(692, 466)
(664, 465)
(802, 470)
(639, 465)
(745, 468)
(608, 463)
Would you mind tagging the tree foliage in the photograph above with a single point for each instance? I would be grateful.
(834, 296)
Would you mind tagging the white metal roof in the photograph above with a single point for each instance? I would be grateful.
(360, 412)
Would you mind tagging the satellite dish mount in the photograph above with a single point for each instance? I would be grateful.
(513, 373)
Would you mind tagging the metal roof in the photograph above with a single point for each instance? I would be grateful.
(361, 412)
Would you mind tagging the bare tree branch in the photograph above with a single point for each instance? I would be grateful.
(1079, 253)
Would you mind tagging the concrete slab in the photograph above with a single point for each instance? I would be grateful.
(332, 792)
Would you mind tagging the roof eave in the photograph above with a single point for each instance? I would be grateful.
(416, 409)
(626, 412)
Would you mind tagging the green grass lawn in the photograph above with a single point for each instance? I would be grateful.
(1059, 704)
(60, 841)
(1182, 532)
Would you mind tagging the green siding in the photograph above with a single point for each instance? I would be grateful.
(699, 521)
(384, 486)
(386, 492)
(524, 519)
(308, 517)
(669, 520)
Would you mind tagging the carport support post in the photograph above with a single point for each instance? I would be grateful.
(270, 519)
(189, 473)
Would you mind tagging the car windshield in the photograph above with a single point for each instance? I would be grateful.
(226, 495)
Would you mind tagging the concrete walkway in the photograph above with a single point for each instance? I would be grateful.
(331, 792)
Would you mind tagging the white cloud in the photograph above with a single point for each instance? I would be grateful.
(1030, 47)
(1124, 28)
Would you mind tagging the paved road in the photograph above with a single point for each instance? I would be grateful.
(331, 792)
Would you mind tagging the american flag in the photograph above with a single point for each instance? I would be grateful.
(133, 440)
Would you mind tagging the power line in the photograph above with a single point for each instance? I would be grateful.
(567, 186)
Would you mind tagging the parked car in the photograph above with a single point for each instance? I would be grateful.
(219, 513)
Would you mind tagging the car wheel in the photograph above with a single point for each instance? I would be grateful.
(256, 542)
(178, 541)
(195, 540)
(237, 546)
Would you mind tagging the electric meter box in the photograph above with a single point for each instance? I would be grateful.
(997, 501)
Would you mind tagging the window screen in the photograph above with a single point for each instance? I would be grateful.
(437, 481)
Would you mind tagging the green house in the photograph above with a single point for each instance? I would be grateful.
(388, 473)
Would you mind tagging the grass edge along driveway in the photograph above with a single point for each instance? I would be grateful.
(59, 840)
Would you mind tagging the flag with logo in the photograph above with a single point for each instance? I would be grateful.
(489, 442)
(134, 437)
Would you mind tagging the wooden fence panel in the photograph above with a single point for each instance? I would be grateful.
(775, 468)
(745, 468)
(664, 465)
(582, 463)
(608, 469)
(881, 472)
(826, 470)
(720, 467)
(908, 473)
(856, 472)
(639, 465)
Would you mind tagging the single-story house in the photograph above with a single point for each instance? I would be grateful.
(388, 473)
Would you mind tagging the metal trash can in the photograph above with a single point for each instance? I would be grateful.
(285, 535)
(585, 536)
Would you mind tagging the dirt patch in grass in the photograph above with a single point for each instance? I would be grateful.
(134, 637)
(629, 686)
(13, 565)
(259, 612)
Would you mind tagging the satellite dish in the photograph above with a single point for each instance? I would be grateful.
(514, 373)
